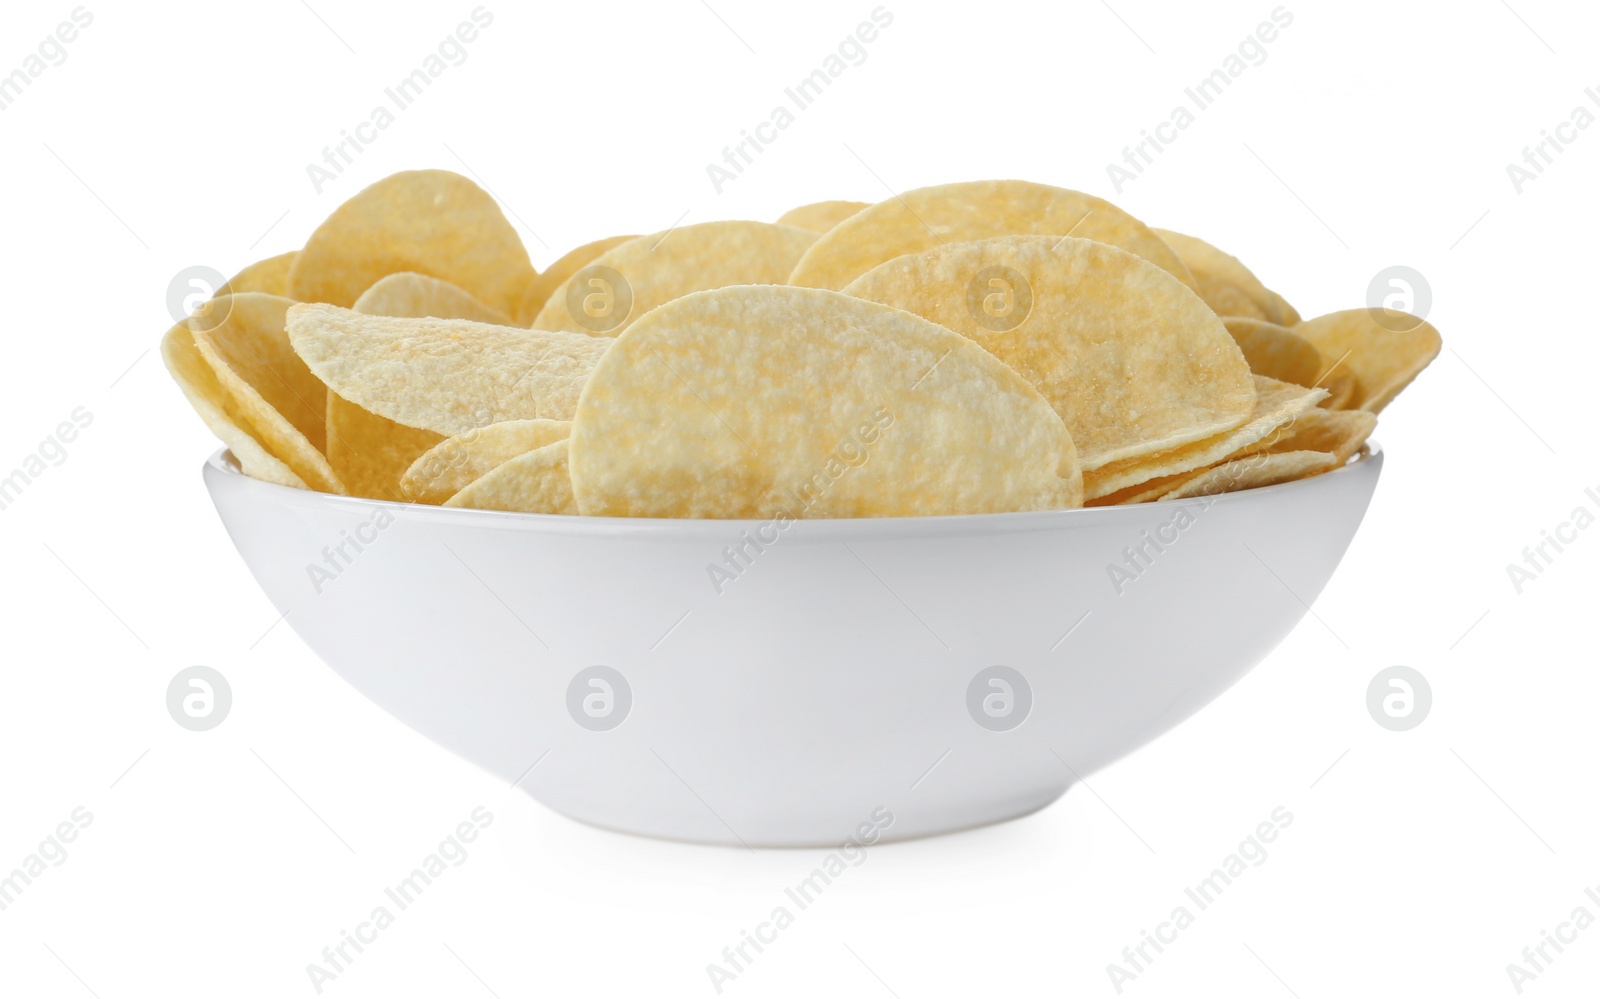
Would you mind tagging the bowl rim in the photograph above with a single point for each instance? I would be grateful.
(222, 468)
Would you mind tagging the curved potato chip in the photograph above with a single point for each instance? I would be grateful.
(1342, 388)
(1276, 352)
(1340, 433)
(778, 402)
(433, 222)
(418, 296)
(1277, 305)
(370, 453)
(269, 276)
(1278, 404)
(539, 289)
(930, 217)
(1131, 359)
(820, 216)
(282, 402)
(1222, 269)
(456, 462)
(219, 412)
(1256, 470)
(1384, 356)
(1226, 300)
(536, 482)
(629, 280)
(444, 375)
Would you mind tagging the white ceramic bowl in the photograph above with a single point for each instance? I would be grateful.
(847, 676)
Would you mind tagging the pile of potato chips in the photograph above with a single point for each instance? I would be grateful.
(968, 348)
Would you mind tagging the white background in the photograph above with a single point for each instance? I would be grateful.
(221, 863)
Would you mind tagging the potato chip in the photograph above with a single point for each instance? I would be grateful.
(242, 338)
(418, 296)
(374, 453)
(432, 222)
(536, 482)
(1384, 350)
(820, 216)
(456, 462)
(1278, 404)
(627, 281)
(783, 403)
(1224, 270)
(1145, 492)
(1342, 388)
(444, 375)
(269, 276)
(1131, 359)
(370, 453)
(1276, 352)
(931, 217)
(539, 289)
(218, 410)
(1256, 470)
(1340, 434)
(1226, 300)
(1276, 305)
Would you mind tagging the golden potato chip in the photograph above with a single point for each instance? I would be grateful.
(1276, 305)
(444, 375)
(820, 216)
(457, 462)
(1145, 492)
(1342, 388)
(269, 276)
(432, 222)
(539, 289)
(282, 402)
(1276, 352)
(1340, 433)
(783, 403)
(1226, 300)
(1384, 350)
(627, 281)
(1278, 404)
(536, 482)
(1131, 359)
(1223, 269)
(218, 410)
(930, 217)
(370, 453)
(418, 296)
(1255, 470)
